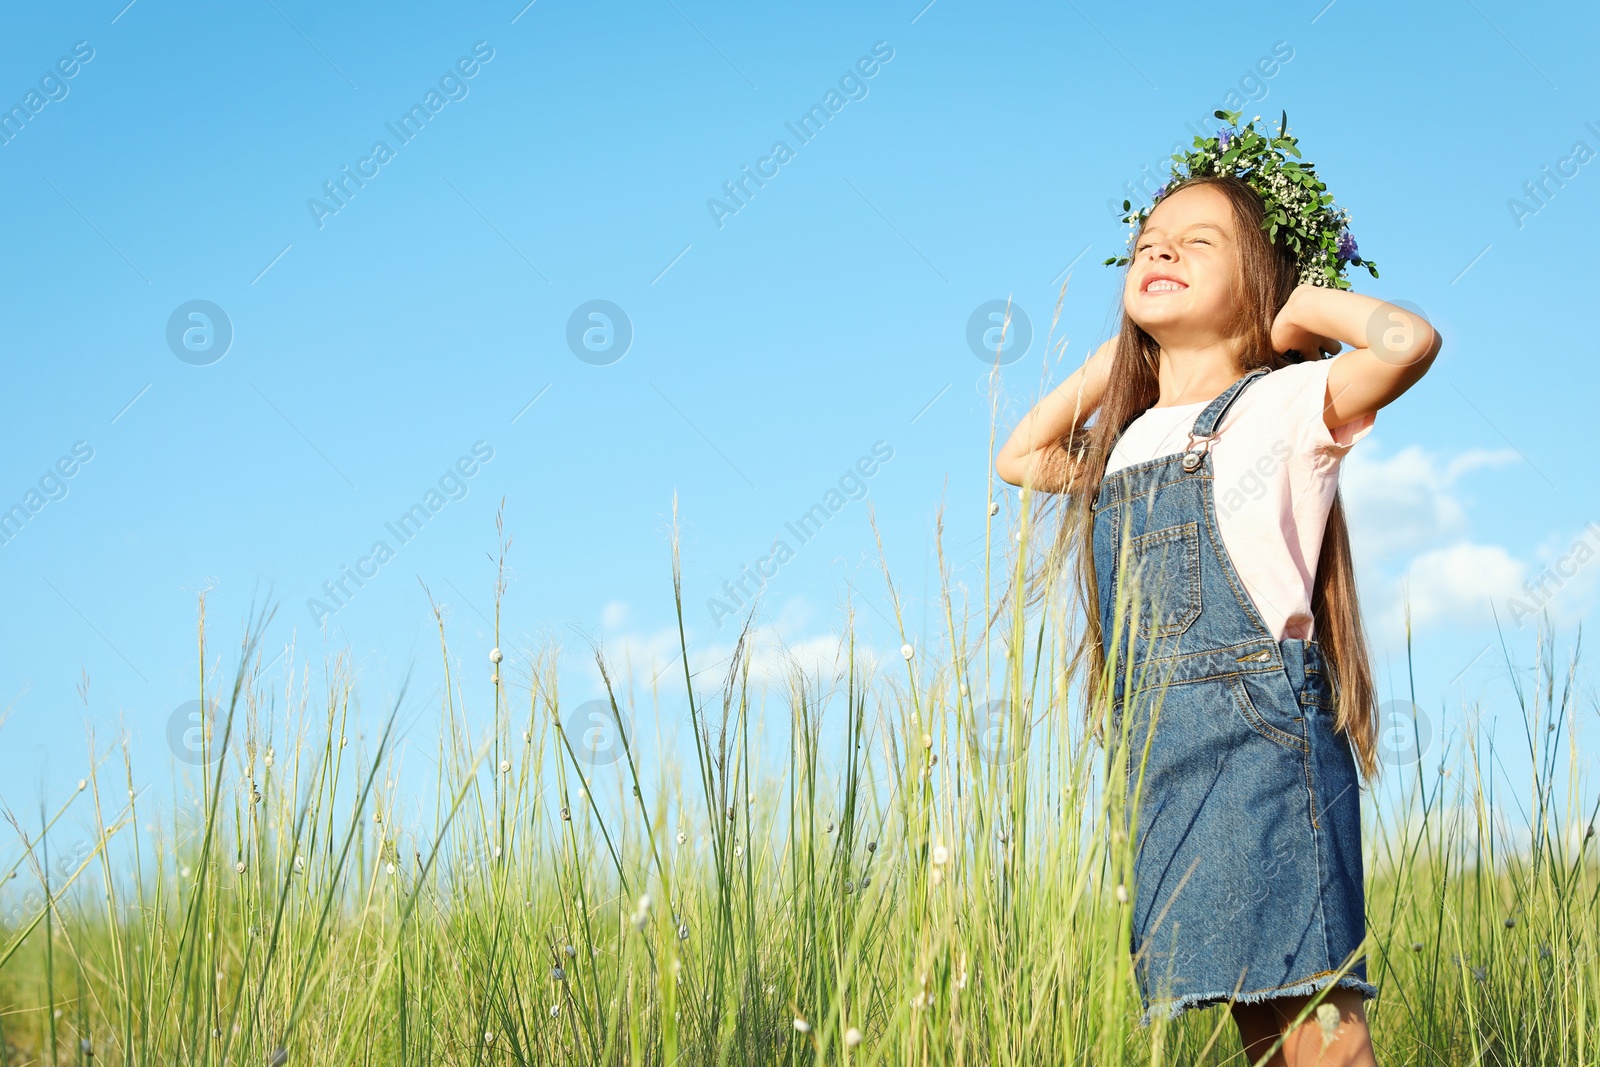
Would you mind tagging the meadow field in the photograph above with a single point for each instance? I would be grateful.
(924, 876)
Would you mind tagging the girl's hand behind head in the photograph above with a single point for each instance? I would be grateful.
(1290, 334)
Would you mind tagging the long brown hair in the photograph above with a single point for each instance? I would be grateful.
(1268, 275)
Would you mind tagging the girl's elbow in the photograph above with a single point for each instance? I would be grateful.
(1006, 469)
(1427, 350)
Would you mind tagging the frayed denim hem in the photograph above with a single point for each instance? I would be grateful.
(1175, 1008)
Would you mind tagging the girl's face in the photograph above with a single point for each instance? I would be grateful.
(1182, 285)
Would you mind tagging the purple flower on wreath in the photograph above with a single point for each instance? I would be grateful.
(1347, 247)
(1222, 137)
(1161, 192)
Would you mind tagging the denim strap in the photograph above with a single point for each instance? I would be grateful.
(1206, 424)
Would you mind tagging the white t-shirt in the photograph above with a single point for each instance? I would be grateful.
(1275, 468)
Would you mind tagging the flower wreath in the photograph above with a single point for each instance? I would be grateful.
(1299, 210)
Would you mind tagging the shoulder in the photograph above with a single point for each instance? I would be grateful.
(1295, 397)
(1281, 397)
(1296, 378)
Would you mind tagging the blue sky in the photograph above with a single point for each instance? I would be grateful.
(773, 348)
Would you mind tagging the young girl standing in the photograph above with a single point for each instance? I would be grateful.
(1215, 567)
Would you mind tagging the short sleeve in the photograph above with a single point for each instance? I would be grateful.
(1320, 443)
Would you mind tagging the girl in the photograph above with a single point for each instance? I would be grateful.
(1215, 566)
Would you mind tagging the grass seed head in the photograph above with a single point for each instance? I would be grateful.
(1328, 1020)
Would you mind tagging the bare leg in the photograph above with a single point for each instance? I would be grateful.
(1259, 1027)
(1261, 1023)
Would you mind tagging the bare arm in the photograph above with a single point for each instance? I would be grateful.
(1391, 348)
(1033, 456)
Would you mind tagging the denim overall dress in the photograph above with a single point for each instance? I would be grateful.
(1247, 862)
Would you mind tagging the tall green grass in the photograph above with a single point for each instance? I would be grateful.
(906, 885)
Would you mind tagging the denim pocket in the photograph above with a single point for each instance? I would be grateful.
(1166, 563)
(1258, 721)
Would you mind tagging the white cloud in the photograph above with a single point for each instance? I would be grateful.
(1563, 580)
(1406, 501)
(774, 649)
(1410, 510)
(1454, 584)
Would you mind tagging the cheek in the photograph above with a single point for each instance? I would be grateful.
(1219, 278)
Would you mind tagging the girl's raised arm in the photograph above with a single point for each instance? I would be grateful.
(1391, 347)
(1034, 456)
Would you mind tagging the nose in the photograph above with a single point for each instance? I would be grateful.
(1160, 248)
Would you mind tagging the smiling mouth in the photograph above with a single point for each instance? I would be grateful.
(1164, 285)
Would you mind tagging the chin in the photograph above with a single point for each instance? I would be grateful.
(1149, 322)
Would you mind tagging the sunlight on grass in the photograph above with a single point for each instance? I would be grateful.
(928, 878)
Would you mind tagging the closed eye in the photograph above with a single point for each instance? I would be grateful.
(1200, 240)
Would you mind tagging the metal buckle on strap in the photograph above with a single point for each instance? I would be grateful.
(1191, 456)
